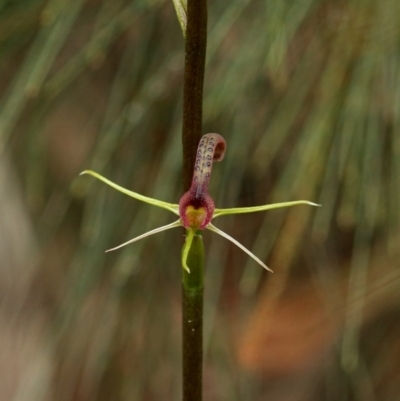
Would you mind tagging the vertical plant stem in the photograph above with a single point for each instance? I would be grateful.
(192, 283)
(195, 57)
(192, 322)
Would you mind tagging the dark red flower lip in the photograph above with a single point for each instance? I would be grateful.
(196, 212)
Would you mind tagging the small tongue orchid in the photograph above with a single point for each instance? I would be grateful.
(196, 208)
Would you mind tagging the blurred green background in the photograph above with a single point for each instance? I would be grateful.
(307, 95)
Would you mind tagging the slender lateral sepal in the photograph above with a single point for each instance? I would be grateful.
(174, 208)
(253, 209)
(211, 227)
(155, 231)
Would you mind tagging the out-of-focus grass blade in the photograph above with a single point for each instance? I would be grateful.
(40, 59)
(181, 11)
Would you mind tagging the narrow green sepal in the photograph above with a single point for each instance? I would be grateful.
(253, 209)
(172, 207)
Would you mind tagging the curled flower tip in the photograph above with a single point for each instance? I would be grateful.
(212, 148)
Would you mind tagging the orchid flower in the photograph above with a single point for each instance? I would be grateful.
(196, 208)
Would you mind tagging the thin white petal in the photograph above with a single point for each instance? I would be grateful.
(211, 227)
(172, 207)
(155, 231)
(252, 209)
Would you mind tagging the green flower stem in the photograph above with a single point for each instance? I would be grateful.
(192, 321)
